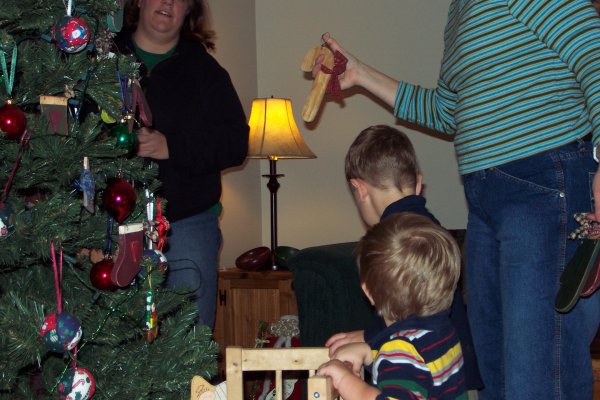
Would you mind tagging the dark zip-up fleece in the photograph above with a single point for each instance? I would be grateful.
(194, 104)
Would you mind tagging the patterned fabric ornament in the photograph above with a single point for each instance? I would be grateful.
(71, 34)
(3, 229)
(6, 220)
(77, 384)
(61, 332)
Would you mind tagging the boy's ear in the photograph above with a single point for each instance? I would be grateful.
(419, 186)
(366, 292)
(360, 188)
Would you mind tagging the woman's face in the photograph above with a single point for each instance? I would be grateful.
(163, 16)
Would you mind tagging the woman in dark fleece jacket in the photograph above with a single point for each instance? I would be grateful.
(199, 129)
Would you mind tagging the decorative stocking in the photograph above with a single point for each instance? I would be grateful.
(131, 250)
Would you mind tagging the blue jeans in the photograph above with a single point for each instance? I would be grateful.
(520, 215)
(193, 254)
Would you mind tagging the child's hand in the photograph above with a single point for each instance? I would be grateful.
(355, 354)
(336, 370)
(349, 385)
(343, 338)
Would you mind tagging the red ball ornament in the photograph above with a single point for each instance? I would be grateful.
(12, 120)
(100, 275)
(119, 199)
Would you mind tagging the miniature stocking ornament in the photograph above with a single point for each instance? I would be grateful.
(131, 250)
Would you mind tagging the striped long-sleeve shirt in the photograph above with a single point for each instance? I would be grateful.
(518, 77)
(419, 358)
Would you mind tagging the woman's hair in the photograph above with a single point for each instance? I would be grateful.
(381, 155)
(409, 265)
(195, 24)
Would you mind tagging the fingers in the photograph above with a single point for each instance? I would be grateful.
(334, 338)
(331, 42)
(336, 345)
(341, 339)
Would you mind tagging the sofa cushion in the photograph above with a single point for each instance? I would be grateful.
(328, 292)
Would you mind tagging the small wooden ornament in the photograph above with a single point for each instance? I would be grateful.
(202, 390)
(320, 83)
(56, 110)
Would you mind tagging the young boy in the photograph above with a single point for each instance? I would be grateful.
(382, 170)
(409, 267)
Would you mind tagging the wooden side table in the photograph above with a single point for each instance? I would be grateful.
(244, 298)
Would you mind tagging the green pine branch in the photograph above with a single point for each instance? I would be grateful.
(44, 206)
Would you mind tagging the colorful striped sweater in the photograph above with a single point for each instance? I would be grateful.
(518, 77)
(419, 358)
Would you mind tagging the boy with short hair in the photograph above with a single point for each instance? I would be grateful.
(383, 172)
(409, 267)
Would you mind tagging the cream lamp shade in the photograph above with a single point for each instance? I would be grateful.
(273, 131)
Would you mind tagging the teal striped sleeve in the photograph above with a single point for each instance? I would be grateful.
(432, 108)
(571, 28)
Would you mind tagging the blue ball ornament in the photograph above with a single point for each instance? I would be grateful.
(61, 332)
(71, 34)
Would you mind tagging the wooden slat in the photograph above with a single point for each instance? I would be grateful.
(278, 385)
(319, 387)
(235, 381)
(288, 359)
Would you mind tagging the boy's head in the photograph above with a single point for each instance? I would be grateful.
(409, 266)
(381, 167)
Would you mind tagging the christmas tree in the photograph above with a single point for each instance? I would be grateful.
(82, 309)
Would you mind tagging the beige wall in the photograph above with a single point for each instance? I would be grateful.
(402, 38)
(234, 23)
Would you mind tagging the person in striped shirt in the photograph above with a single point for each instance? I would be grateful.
(409, 267)
(519, 92)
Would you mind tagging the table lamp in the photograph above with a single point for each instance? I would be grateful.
(274, 135)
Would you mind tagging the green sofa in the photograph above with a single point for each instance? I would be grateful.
(328, 292)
